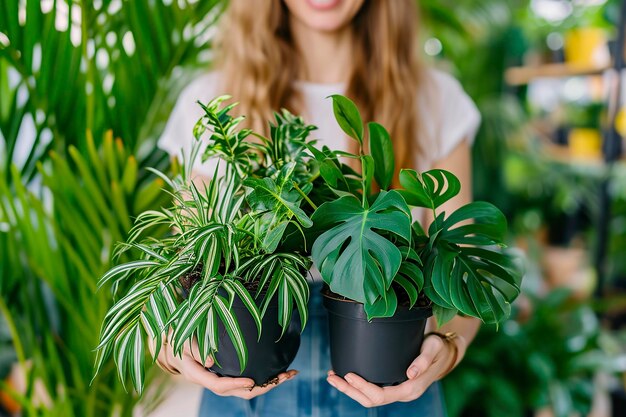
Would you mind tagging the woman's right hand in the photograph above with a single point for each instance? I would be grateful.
(190, 367)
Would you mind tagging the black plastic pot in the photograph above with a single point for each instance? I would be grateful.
(379, 351)
(267, 357)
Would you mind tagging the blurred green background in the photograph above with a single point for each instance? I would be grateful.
(85, 90)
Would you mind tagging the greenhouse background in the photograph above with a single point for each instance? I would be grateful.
(86, 88)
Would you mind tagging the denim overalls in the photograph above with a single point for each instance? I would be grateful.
(308, 394)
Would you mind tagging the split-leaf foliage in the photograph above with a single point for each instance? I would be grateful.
(251, 221)
(369, 245)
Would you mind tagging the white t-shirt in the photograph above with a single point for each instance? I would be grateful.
(447, 117)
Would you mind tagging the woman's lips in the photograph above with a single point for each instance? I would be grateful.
(323, 4)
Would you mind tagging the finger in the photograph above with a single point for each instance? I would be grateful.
(430, 348)
(257, 390)
(373, 392)
(409, 390)
(343, 386)
(191, 349)
(289, 374)
(196, 373)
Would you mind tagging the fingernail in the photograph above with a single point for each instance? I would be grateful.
(331, 383)
(412, 372)
(348, 379)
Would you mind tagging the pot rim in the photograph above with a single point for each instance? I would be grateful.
(402, 314)
(348, 300)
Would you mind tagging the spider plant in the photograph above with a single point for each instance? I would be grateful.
(228, 240)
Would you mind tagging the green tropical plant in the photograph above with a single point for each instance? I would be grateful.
(227, 241)
(51, 303)
(68, 66)
(369, 241)
(553, 354)
(74, 78)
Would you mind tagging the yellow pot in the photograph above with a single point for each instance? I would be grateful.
(587, 48)
(620, 122)
(585, 143)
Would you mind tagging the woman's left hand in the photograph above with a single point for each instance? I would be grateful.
(435, 358)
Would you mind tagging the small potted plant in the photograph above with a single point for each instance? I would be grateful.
(224, 276)
(385, 273)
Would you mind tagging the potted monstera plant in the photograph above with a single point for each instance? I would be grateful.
(385, 273)
(224, 276)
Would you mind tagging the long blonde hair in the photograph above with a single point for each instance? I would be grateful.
(258, 61)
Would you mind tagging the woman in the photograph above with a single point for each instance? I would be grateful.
(293, 54)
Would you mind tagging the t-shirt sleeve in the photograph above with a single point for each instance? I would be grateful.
(457, 115)
(177, 137)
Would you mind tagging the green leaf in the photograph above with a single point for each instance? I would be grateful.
(430, 189)
(137, 352)
(385, 306)
(476, 281)
(232, 328)
(409, 287)
(278, 198)
(348, 117)
(121, 271)
(330, 173)
(273, 236)
(188, 315)
(248, 302)
(443, 315)
(364, 262)
(280, 270)
(437, 271)
(489, 225)
(381, 149)
(285, 306)
(130, 355)
(125, 311)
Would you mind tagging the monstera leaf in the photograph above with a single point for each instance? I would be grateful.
(361, 249)
(475, 280)
(430, 189)
(352, 245)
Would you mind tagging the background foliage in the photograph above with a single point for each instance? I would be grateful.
(85, 87)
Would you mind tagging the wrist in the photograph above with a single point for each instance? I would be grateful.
(455, 345)
(462, 344)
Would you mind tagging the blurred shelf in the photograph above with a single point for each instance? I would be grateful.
(523, 75)
(549, 151)
(564, 155)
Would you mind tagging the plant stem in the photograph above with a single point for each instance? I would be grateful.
(364, 202)
(308, 200)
